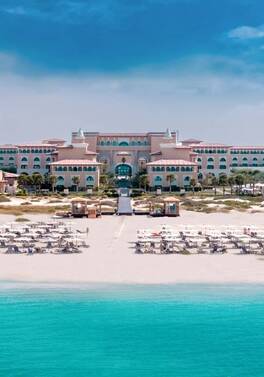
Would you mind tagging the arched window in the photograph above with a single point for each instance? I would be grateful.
(245, 161)
(48, 159)
(210, 159)
(90, 180)
(24, 159)
(158, 179)
(200, 177)
(222, 159)
(60, 181)
(123, 144)
(187, 180)
(36, 159)
(11, 159)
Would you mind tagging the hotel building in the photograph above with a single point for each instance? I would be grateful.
(167, 161)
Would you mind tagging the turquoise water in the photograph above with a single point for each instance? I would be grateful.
(131, 331)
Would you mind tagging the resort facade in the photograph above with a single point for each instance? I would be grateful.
(167, 161)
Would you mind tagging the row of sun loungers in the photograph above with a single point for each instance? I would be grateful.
(41, 238)
(200, 240)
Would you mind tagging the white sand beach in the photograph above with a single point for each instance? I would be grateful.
(111, 257)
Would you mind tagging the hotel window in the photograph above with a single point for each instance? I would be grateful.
(70, 168)
(255, 161)
(245, 161)
(173, 168)
(123, 144)
(36, 166)
(36, 159)
(183, 168)
(24, 159)
(210, 167)
(177, 168)
(79, 168)
(90, 180)
(187, 180)
(234, 162)
(200, 177)
(23, 167)
(60, 181)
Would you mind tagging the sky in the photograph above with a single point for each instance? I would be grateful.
(132, 65)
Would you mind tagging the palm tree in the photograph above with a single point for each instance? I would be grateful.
(143, 181)
(76, 181)
(193, 184)
(170, 178)
(223, 182)
(52, 179)
(214, 182)
(37, 181)
(23, 180)
(254, 178)
(240, 180)
(231, 182)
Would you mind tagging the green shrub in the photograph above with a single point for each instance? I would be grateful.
(4, 199)
(22, 220)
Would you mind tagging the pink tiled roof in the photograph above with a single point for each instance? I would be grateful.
(91, 152)
(10, 175)
(210, 145)
(75, 162)
(192, 141)
(251, 147)
(8, 146)
(172, 162)
(38, 145)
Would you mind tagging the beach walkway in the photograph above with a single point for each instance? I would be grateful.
(124, 204)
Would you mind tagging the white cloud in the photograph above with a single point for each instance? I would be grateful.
(247, 33)
(191, 97)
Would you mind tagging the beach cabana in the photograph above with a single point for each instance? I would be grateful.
(171, 206)
(79, 207)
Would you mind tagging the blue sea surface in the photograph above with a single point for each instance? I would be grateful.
(129, 331)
